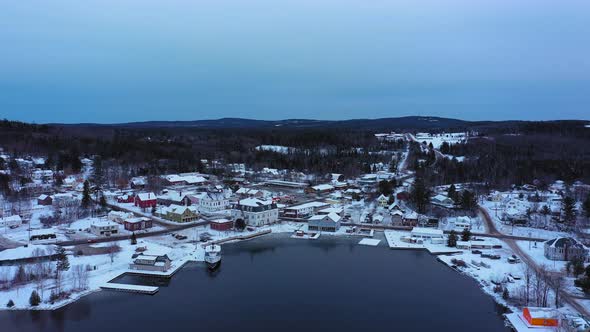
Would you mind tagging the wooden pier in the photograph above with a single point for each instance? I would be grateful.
(150, 290)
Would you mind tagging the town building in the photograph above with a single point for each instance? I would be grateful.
(221, 224)
(303, 210)
(44, 200)
(179, 213)
(146, 200)
(127, 198)
(104, 228)
(209, 202)
(564, 249)
(324, 222)
(442, 200)
(151, 260)
(382, 200)
(137, 224)
(119, 216)
(426, 233)
(541, 316)
(256, 212)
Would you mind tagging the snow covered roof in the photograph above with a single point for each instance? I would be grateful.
(254, 202)
(313, 204)
(322, 187)
(561, 242)
(146, 196)
(424, 230)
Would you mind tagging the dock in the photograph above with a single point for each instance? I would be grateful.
(150, 290)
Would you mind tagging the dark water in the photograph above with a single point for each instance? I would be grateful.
(280, 284)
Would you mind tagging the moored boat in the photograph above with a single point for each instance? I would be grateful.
(213, 256)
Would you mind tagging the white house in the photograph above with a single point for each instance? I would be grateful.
(256, 212)
(104, 228)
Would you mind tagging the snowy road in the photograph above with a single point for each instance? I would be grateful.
(510, 241)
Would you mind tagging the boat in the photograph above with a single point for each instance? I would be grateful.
(213, 256)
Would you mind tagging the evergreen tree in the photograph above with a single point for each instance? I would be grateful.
(62, 265)
(568, 208)
(10, 304)
(103, 201)
(240, 224)
(465, 235)
(452, 239)
(452, 193)
(35, 299)
(586, 206)
(468, 201)
(133, 238)
(20, 276)
(385, 187)
(86, 200)
(420, 195)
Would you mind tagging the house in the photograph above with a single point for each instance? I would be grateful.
(303, 210)
(442, 200)
(208, 202)
(397, 217)
(146, 200)
(460, 223)
(136, 224)
(137, 182)
(382, 200)
(11, 222)
(324, 222)
(119, 216)
(221, 224)
(410, 218)
(172, 197)
(180, 213)
(45, 200)
(126, 198)
(64, 200)
(151, 260)
(329, 210)
(541, 316)
(246, 192)
(256, 212)
(104, 228)
(322, 188)
(564, 249)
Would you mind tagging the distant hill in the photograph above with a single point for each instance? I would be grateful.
(408, 122)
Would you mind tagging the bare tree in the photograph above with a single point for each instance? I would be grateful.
(113, 250)
(80, 274)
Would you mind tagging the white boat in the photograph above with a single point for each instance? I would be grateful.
(213, 256)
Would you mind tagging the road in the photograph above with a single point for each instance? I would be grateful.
(170, 229)
(511, 242)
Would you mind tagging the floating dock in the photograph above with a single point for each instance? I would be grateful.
(150, 290)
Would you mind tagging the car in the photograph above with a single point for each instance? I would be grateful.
(476, 252)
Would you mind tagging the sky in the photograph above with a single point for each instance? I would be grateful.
(112, 61)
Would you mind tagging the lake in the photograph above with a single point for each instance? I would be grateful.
(282, 284)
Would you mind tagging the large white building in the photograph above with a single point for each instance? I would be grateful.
(209, 202)
(104, 228)
(256, 212)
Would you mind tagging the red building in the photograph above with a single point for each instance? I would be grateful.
(44, 200)
(221, 224)
(126, 199)
(136, 224)
(146, 200)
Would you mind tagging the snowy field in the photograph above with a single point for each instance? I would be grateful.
(438, 139)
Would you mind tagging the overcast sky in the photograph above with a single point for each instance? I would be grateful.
(120, 60)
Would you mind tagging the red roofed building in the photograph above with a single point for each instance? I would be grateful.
(146, 200)
(221, 224)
